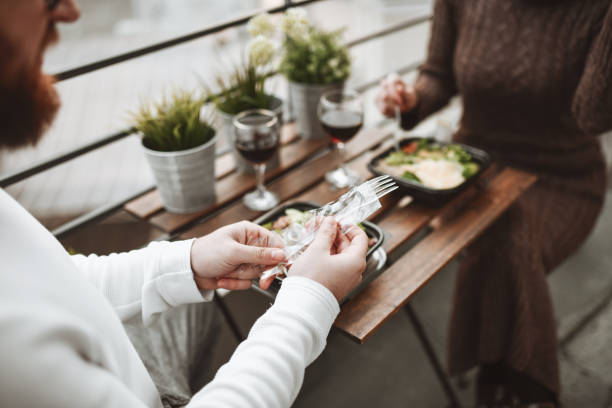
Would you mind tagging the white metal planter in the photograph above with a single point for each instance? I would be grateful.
(304, 101)
(185, 179)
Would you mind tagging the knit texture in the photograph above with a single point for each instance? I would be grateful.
(535, 77)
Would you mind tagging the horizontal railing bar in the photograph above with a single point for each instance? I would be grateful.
(23, 174)
(94, 66)
(62, 158)
(402, 25)
(96, 215)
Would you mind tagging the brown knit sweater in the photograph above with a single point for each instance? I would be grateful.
(535, 77)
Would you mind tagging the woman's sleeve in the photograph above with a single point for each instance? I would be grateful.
(592, 104)
(143, 283)
(435, 84)
(267, 369)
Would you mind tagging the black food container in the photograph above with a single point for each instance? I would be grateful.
(372, 231)
(431, 196)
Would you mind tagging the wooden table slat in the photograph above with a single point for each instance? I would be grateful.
(145, 205)
(362, 315)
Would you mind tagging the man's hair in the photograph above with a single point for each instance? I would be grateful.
(28, 104)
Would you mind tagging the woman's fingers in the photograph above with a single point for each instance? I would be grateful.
(394, 93)
(388, 98)
(409, 99)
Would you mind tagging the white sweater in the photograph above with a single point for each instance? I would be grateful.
(62, 343)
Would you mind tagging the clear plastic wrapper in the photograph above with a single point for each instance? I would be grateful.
(350, 209)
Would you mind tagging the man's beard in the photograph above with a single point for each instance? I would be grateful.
(28, 104)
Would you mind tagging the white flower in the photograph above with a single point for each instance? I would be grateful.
(261, 24)
(295, 23)
(261, 50)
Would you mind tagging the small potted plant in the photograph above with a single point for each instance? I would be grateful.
(245, 87)
(179, 144)
(314, 61)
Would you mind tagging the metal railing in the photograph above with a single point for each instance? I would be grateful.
(107, 62)
(62, 158)
(101, 213)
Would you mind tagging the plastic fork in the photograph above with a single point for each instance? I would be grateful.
(352, 207)
(382, 185)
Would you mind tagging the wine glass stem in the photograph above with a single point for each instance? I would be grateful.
(342, 156)
(260, 171)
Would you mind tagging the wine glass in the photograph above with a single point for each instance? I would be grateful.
(341, 115)
(256, 137)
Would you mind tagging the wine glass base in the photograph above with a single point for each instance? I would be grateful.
(341, 178)
(261, 200)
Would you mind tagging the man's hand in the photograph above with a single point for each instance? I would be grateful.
(233, 255)
(394, 93)
(335, 260)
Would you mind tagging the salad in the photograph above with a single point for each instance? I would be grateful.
(434, 165)
(292, 217)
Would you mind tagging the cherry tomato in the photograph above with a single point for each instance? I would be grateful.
(410, 148)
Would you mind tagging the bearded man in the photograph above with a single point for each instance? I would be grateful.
(63, 319)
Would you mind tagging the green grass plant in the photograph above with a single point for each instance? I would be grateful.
(243, 89)
(174, 124)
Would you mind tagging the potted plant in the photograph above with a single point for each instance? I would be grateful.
(314, 61)
(245, 87)
(179, 144)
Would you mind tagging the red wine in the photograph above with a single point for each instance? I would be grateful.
(341, 125)
(254, 154)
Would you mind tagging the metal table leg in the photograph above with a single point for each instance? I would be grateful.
(431, 355)
(228, 318)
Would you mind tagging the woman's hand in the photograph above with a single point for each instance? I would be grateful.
(335, 260)
(394, 92)
(231, 256)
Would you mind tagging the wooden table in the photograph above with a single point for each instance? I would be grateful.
(445, 231)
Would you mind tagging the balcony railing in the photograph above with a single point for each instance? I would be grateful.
(104, 211)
